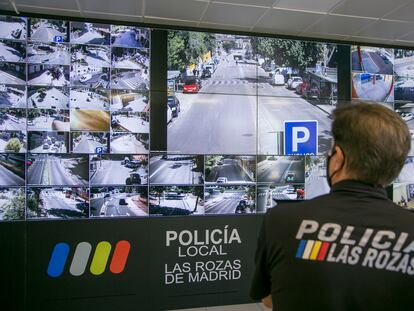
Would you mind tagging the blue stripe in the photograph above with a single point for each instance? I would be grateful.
(301, 248)
(58, 260)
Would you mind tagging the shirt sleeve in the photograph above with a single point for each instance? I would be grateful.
(261, 286)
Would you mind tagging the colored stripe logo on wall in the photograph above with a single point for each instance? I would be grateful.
(312, 250)
(98, 264)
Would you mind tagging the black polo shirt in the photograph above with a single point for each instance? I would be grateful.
(352, 249)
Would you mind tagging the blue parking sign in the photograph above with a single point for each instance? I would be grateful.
(99, 150)
(301, 137)
(58, 38)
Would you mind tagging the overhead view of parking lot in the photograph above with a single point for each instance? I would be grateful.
(48, 120)
(176, 169)
(375, 87)
(118, 169)
(93, 56)
(12, 204)
(48, 75)
(130, 36)
(119, 202)
(57, 170)
(57, 203)
(13, 96)
(12, 119)
(130, 58)
(47, 30)
(13, 141)
(48, 53)
(47, 97)
(89, 33)
(176, 200)
(83, 98)
(48, 142)
(12, 170)
(86, 142)
(89, 76)
(13, 27)
(230, 169)
(280, 170)
(230, 199)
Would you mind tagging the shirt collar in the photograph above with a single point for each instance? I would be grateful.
(359, 187)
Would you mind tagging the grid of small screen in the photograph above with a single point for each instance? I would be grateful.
(387, 76)
(74, 118)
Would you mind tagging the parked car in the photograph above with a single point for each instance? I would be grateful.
(278, 79)
(293, 82)
(205, 73)
(241, 207)
(221, 180)
(310, 93)
(85, 77)
(300, 88)
(174, 104)
(191, 85)
(133, 179)
(123, 202)
(290, 177)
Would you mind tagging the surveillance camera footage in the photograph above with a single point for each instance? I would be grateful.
(57, 169)
(12, 96)
(117, 169)
(48, 53)
(230, 199)
(176, 200)
(176, 169)
(119, 202)
(230, 169)
(57, 202)
(75, 117)
(12, 204)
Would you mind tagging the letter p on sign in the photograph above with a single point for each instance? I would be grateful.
(301, 137)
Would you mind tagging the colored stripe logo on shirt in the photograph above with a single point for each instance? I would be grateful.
(98, 264)
(312, 250)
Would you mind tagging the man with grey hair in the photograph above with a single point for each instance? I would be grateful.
(352, 249)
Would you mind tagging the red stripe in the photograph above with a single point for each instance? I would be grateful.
(120, 257)
(323, 251)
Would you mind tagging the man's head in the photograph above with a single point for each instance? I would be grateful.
(371, 144)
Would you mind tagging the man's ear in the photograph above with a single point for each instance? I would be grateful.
(337, 160)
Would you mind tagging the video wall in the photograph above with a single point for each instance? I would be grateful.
(74, 118)
(75, 111)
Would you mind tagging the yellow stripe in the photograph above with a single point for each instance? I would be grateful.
(308, 249)
(315, 250)
(100, 258)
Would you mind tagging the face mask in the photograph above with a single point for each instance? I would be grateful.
(328, 159)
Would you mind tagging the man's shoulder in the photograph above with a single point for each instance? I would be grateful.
(287, 208)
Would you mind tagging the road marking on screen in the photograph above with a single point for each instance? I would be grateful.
(82, 254)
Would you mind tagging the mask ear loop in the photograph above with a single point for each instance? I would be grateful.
(330, 155)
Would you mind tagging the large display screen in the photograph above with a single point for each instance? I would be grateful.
(75, 119)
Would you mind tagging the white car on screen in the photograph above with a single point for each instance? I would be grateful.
(85, 77)
(294, 82)
(221, 180)
(278, 79)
